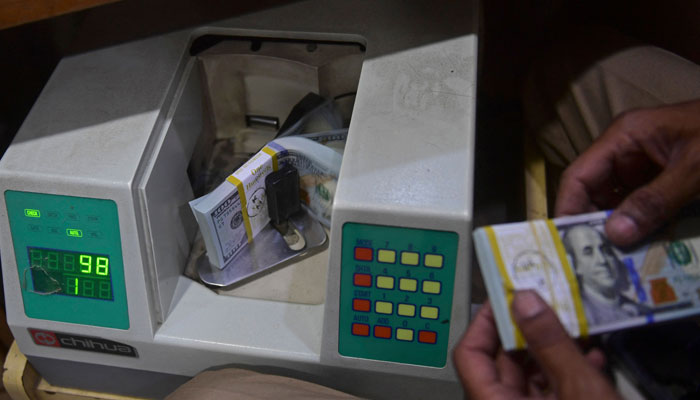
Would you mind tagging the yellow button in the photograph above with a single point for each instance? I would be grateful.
(385, 282)
(408, 285)
(431, 287)
(428, 312)
(383, 307)
(404, 334)
(409, 258)
(407, 310)
(386, 256)
(433, 260)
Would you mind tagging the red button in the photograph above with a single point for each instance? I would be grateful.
(363, 280)
(361, 305)
(383, 332)
(427, 337)
(363, 254)
(360, 329)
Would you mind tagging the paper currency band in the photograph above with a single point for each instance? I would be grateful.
(272, 152)
(508, 288)
(570, 278)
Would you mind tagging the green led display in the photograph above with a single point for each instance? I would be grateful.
(69, 258)
(32, 213)
(70, 273)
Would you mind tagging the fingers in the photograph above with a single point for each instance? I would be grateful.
(586, 178)
(569, 372)
(485, 370)
(475, 353)
(648, 207)
(646, 165)
(547, 340)
(596, 358)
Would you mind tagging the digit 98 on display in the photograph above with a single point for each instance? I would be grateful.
(70, 273)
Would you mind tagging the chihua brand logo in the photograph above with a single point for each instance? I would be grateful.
(69, 341)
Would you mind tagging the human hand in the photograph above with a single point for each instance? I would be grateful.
(560, 370)
(646, 164)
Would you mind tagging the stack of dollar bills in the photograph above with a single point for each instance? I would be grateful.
(232, 214)
(593, 286)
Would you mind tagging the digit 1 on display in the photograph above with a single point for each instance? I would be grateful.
(72, 285)
(85, 263)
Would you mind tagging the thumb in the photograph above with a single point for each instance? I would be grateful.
(567, 369)
(546, 338)
(648, 207)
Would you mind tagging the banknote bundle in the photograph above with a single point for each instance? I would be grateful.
(593, 286)
(232, 214)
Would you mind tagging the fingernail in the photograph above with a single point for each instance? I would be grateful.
(622, 226)
(527, 304)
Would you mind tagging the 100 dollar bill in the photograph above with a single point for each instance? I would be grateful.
(232, 214)
(592, 285)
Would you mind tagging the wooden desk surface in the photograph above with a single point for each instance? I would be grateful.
(17, 12)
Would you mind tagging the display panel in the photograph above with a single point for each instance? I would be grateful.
(70, 273)
(69, 258)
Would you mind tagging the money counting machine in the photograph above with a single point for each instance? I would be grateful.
(96, 231)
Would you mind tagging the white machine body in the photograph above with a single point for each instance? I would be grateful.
(119, 125)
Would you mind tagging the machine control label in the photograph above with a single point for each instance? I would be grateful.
(77, 342)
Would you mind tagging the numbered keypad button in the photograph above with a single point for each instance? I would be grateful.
(429, 312)
(386, 256)
(385, 282)
(433, 261)
(408, 285)
(409, 258)
(407, 310)
(405, 335)
(383, 307)
(431, 287)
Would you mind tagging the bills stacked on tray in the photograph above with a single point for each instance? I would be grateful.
(231, 215)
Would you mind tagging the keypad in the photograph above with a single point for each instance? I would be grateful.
(396, 293)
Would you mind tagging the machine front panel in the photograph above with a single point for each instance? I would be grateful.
(396, 293)
(69, 258)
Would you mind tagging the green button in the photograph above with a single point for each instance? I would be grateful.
(74, 232)
(407, 310)
(383, 307)
(386, 256)
(404, 334)
(408, 285)
(433, 260)
(409, 258)
(428, 312)
(385, 282)
(31, 213)
(431, 287)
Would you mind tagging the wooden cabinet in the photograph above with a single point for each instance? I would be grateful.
(17, 12)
